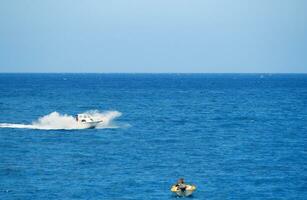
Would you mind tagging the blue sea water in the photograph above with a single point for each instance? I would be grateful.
(235, 136)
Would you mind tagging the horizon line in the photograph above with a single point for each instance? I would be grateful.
(153, 72)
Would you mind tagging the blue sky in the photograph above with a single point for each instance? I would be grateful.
(238, 36)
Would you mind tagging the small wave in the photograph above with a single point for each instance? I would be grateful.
(57, 121)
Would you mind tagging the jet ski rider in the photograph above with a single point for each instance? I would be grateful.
(181, 185)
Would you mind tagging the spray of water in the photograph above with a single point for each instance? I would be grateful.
(57, 121)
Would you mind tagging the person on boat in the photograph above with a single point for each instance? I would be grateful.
(181, 185)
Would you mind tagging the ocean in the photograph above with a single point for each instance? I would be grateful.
(235, 136)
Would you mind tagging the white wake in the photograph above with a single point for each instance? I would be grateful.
(57, 121)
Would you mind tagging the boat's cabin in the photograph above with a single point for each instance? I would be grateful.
(84, 118)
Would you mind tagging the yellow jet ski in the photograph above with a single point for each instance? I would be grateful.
(183, 193)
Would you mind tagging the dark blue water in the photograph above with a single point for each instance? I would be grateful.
(234, 136)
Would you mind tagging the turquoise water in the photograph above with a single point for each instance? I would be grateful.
(235, 136)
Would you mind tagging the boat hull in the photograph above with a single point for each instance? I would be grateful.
(90, 124)
(183, 193)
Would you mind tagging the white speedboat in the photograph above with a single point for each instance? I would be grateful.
(183, 193)
(87, 120)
